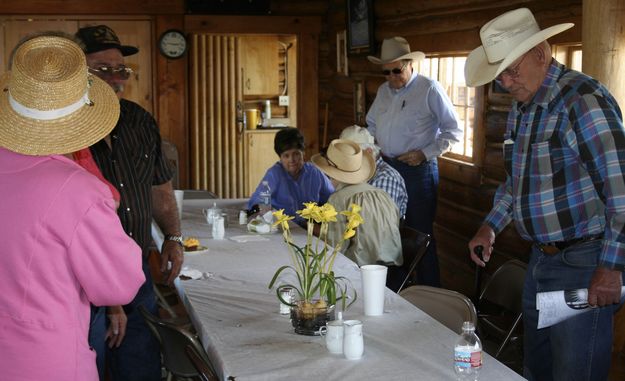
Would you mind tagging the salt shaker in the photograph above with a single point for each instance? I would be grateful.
(353, 345)
(219, 229)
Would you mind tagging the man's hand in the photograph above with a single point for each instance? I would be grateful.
(171, 252)
(484, 237)
(412, 158)
(117, 327)
(605, 287)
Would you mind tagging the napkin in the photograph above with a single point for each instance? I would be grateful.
(191, 273)
(248, 238)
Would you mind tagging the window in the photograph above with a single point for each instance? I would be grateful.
(569, 55)
(449, 72)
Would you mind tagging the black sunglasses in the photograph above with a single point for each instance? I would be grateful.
(396, 70)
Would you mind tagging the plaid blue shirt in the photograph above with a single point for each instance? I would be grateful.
(388, 179)
(565, 158)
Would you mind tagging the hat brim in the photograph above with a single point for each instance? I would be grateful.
(80, 129)
(415, 56)
(478, 71)
(366, 171)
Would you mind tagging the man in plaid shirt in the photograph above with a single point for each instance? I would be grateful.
(564, 152)
(386, 177)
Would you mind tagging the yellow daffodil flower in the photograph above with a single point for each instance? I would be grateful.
(308, 211)
(282, 219)
(349, 233)
(327, 213)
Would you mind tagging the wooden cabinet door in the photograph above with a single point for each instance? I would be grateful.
(260, 156)
(260, 63)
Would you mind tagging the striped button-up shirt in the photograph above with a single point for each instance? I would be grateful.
(387, 178)
(133, 165)
(565, 156)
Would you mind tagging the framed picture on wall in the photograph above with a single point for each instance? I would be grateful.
(360, 26)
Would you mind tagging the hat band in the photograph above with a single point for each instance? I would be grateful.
(333, 164)
(56, 113)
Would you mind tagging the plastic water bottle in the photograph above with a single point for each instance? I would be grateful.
(264, 205)
(468, 354)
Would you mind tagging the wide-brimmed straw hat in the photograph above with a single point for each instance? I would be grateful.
(50, 104)
(504, 39)
(346, 162)
(395, 49)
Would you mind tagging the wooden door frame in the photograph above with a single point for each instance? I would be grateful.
(307, 30)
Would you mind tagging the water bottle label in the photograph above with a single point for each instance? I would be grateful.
(465, 359)
(462, 359)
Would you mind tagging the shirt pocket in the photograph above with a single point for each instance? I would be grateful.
(144, 164)
(546, 162)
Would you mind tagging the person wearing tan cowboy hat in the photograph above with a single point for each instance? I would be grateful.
(63, 246)
(413, 122)
(131, 158)
(386, 177)
(377, 240)
(563, 150)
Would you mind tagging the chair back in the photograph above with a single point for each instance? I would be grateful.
(198, 194)
(173, 341)
(505, 286)
(449, 307)
(204, 370)
(414, 244)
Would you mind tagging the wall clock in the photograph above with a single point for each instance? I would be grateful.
(172, 44)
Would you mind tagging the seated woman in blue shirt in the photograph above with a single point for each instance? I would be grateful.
(293, 181)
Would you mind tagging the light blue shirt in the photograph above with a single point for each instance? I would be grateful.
(289, 194)
(419, 116)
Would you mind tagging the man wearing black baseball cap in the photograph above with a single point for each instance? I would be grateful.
(131, 159)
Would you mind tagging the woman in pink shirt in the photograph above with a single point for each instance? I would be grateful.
(63, 245)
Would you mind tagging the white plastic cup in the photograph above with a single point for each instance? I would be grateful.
(373, 288)
(179, 194)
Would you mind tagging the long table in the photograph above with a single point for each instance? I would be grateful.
(238, 321)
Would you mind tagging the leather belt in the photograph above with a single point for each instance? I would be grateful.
(553, 248)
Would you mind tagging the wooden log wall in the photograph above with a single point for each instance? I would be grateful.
(443, 26)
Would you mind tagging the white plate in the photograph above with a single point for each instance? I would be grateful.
(200, 250)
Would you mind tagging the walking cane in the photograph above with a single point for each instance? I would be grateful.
(478, 276)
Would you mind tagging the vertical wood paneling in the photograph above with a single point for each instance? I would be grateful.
(214, 83)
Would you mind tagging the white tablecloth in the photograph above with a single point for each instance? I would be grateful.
(237, 318)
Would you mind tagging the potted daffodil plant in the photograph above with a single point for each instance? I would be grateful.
(317, 289)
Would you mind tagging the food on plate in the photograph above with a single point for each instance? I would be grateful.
(191, 244)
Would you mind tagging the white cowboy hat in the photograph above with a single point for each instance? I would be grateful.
(395, 49)
(50, 104)
(504, 39)
(346, 162)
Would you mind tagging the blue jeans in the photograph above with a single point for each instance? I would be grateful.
(138, 358)
(579, 348)
(422, 188)
(97, 331)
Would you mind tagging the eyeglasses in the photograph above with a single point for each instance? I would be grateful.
(108, 72)
(512, 72)
(396, 70)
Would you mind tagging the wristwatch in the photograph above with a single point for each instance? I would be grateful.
(175, 238)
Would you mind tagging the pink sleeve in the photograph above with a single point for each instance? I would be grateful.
(106, 262)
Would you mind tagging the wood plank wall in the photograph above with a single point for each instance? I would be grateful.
(442, 26)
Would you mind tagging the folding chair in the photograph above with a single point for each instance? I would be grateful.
(449, 307)
(500, 304)
(173, 342)
(414, 245)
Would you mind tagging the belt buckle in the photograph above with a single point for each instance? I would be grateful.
(548, 249)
